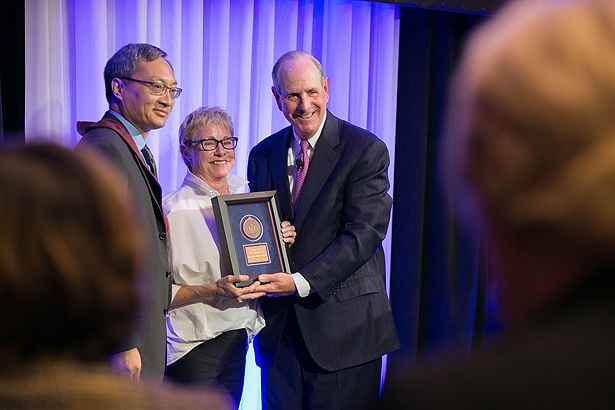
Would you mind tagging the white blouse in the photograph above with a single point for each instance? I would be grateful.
(195, 260)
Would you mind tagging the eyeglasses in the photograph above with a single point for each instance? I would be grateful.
(210, 144)
(156, 88)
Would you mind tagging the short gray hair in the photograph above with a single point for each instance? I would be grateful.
(203, 116)
(292, 55)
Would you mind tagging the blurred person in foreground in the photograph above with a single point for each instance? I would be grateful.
(329, 322)
(69, 257)
(530, 161)
(211, 320)
(141, 90)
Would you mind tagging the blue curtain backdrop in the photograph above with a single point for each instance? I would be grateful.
(440, 287)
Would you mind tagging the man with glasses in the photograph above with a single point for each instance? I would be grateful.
(141, 90)
(210, 320)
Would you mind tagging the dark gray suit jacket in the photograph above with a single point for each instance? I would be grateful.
(111, 138)
(341, 221)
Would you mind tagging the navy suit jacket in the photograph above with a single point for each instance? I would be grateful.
(341, 221)
(112, 140)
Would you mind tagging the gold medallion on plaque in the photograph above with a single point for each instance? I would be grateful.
(251, 228)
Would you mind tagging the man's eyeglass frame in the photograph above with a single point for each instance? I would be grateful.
(156, 88)
(201, 143)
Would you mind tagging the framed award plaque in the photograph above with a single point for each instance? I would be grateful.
(250, 235)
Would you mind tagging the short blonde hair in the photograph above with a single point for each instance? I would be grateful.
(530, 136)
(203, 116)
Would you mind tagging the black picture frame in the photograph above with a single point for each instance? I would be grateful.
(250, 234)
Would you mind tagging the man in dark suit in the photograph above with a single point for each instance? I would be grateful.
(329, 322)
(141, 90)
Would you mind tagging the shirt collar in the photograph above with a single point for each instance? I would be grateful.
(235, 183)
(132, 130)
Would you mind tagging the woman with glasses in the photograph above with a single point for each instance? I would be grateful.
(211, 320)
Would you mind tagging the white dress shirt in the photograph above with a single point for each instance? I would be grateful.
(301, 284)
(195, 260)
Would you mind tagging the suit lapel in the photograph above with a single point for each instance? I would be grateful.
(322, 163)
(108, 121)
(279, 173)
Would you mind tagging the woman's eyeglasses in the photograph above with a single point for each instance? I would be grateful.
(210, 144)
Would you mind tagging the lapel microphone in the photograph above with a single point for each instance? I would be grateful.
(299, 164)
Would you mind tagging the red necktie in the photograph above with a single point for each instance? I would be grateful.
(301, 172)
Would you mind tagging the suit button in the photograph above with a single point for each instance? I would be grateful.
(162, 236)
(168, 274)
(165, 311)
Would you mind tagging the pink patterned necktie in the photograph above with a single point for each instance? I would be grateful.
(301, 172)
